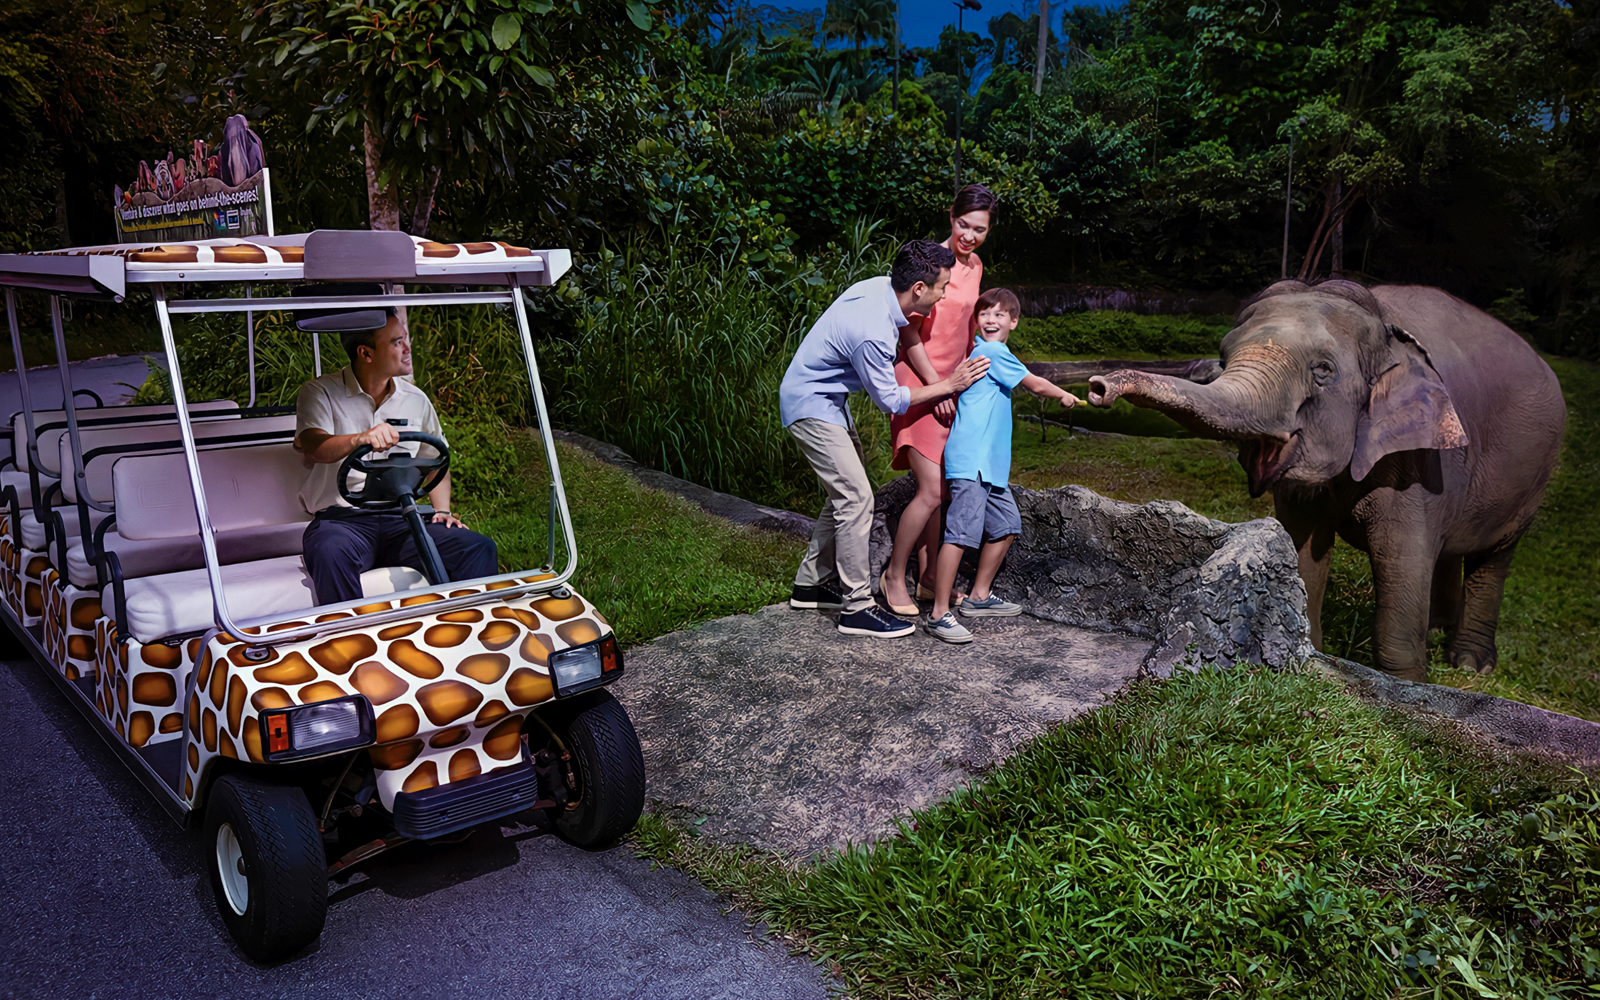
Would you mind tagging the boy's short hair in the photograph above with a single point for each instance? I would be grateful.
(1003, 298)
(920, 260)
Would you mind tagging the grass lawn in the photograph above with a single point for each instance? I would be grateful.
(651, 562)
(1240, 833)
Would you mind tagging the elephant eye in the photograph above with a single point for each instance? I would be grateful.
(1323, 371)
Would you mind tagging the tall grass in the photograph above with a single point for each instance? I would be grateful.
(676, 357)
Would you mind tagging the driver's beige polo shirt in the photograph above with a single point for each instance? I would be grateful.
(336, 403)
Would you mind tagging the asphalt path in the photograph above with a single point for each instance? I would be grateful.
(101, 895)
(113, 379)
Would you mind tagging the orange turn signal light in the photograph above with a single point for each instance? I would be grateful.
(277, 732)
(610, 655)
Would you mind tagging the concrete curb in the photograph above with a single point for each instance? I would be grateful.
(724, 505)
(1508, 722)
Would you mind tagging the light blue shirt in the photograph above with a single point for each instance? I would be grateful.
(850, 348)
(980, 439)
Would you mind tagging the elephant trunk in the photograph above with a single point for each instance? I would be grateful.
(1252, 402)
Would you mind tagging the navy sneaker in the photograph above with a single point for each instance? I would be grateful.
(876, 623)
(821, 597)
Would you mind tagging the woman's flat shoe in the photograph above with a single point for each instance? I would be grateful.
(907, 610)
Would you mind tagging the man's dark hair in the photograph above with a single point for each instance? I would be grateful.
(920, 260)
(352, 339)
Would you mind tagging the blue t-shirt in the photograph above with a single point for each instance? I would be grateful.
(980, 439)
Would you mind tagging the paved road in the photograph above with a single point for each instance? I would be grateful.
(112, 378)
(102, 896)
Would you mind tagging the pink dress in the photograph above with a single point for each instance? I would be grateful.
(947, 336)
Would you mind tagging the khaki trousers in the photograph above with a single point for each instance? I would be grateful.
(839, 539)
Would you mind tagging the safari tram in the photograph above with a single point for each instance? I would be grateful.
(150, 561)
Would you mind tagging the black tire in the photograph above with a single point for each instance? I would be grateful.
(610, 769)
(285, 872)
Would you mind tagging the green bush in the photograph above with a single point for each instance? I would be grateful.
(1108, 334)
(677, 357)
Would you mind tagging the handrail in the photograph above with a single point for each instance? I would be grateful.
(291, 303)
(27, 408)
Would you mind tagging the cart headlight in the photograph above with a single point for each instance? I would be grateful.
(583, 667)
(319, 728)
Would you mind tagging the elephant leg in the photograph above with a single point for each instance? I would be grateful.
(1473, 647)
(1445, 611)
(1314, 543)
(1402, 575)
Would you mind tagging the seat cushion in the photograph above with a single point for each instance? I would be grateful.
(245, 488)
(180, 603)
(152, 556)
(32, 533)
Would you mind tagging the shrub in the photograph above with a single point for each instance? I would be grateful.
(1107, 334)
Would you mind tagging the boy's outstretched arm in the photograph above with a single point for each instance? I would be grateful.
(1044, 387)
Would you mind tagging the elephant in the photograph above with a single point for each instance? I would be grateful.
(1418, 428)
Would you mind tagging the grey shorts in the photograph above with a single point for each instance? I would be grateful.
(978, 510)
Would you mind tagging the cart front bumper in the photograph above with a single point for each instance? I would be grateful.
(445, 809)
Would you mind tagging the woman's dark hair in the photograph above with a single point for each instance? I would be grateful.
(920, 260)
(974, 198)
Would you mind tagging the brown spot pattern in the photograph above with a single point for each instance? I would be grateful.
(208, 729)
(424, 777)
(252, 742)
(320, 691)
(579, 632)
(446, 701)
(225, 745)
(84, 612)
(490, 712)
(498, 635)
(448, 737)
(161, 655)
(271, 698)
(425, 665)
(469, 615)
(446, 636)
(504, 741)
(396, 755)
(339, 655)
(397, 723)
(219, 683)
(558, 608)
(377, 683)
(463, 765)
(522, 615)
(236, 696)
(171, 722)
(398, 631)
(485, 668)
(141, 726)
(537, 648)
(527, 687)
(294, 669)
(154, 688)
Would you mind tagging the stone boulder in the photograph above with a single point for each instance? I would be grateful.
(1202, 591)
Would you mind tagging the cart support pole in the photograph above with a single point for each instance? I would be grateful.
(202, 513)
(27, 410)
(557, 489)
(80, 481)
(250, 346)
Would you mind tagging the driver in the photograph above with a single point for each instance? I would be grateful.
(362, 404)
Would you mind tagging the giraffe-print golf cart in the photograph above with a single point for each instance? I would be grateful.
(150, 561)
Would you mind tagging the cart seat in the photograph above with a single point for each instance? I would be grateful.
(175, 604)
(51, 425)
(253, 496)
(104, 447)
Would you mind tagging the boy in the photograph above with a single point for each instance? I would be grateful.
(977, 463)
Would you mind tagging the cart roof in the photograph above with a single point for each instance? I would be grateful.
(323, 255)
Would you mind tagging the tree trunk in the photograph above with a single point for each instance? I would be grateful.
(383, 203)
(1336, 267)
(423, 212)
(1044, 36)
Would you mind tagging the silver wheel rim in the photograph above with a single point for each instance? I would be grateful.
(230, 857)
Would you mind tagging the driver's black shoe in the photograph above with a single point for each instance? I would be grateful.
(875, 622)
(822, 597)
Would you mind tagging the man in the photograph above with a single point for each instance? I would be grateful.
(338, 413)
(851, 348)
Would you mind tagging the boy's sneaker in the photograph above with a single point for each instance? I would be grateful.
(989, 607)
(876, 623)
(947, 628)
(821, 596)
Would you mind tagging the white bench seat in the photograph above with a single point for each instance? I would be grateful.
(151, 556)
(180, 603)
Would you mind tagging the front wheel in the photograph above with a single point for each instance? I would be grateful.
(610, 766)
(268, 870)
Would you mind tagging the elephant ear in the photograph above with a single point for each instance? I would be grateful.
(1407, 409)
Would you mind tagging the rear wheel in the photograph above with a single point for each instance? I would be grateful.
(610, 773)
(268, 870)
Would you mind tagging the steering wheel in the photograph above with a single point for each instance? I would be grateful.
(394, 480)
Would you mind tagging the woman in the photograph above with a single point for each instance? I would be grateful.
(929, 351)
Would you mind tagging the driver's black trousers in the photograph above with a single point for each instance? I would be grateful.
(341, 545)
